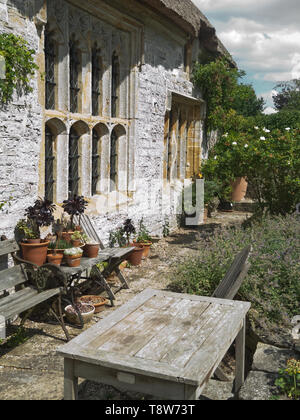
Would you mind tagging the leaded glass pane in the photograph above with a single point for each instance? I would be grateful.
(73, 162)
(115, 85)
(96, 79)
(95, 162)
(113, 161)
(50, 72)
(74, 77)
(49, 164)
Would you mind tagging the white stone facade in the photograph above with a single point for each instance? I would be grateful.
(159, 117)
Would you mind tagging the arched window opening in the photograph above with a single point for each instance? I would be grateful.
(113, 161)
(49, 164)
(115, 79)
(74, 77)
(95, 161)
(96, 81)
(73, 162)
(50, 59)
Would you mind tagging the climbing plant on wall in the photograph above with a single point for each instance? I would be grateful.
(20, 66)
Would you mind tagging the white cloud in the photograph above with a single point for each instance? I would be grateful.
(262, 36)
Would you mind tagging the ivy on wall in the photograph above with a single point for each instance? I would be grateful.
(20, 66)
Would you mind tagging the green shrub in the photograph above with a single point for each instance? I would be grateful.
(269, 159)
(272, 284)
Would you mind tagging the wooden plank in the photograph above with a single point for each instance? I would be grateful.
(12, 277)
(131, 323)
(228, 288)
(70, 381)
(14, 298)
(143, 329)
(86, 338)
(209, 356)
(163, 343)
(139, 383)
(9, 246)
(194, 337)
(129, 364)
(240, 357)
(2, 328)
(30, 302)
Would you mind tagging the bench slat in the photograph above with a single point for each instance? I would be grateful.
(13, 298)
(9, 246)
(11, 277)
(28, 303)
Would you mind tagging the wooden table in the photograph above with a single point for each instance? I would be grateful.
(160, 343)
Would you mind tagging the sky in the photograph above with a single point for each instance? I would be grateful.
(263, 36)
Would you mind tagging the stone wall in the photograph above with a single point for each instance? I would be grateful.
(155, 68)
(20, 128)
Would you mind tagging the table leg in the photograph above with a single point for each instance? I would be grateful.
(240, 357)
(70, 381)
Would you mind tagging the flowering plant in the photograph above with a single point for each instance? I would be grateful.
(73, 251)
(269, 159)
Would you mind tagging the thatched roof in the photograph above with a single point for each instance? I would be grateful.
(189, 18)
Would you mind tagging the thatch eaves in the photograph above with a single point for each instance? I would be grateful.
(188, 17)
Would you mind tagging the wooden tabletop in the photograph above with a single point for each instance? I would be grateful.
(175, 337)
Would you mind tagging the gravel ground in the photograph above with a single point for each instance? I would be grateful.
(32, 370)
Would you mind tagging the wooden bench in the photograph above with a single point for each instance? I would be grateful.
(229, 286)
(23, 287)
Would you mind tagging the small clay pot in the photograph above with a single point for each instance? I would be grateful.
(98, 302)
(91, 250)
(73, 260)
(55, 258)
(136, 255)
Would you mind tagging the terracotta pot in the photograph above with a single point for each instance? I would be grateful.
(73, 260)
(35, 253)
(123, 265)
(135, 257)
(66, 236)
(91, 250)
(146, 246)
(239, 189)
(98, 302)
(55, 258)
(76, 243)
(34, 241)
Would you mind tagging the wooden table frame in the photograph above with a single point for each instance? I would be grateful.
(90, 355)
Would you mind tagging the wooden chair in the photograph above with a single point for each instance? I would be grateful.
(23, 287)
(113, 266)
(229, 286)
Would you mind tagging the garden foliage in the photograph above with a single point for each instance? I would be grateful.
(269, 159)
(272, 284)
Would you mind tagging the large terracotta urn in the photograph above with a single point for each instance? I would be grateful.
(239, 189)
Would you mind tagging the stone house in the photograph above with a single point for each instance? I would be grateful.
(113, 115)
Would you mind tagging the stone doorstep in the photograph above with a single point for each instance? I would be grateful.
(267, 361)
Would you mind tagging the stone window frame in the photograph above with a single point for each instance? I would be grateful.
(130, 65)
(185, 142)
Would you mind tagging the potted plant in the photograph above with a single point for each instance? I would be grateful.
(212, 189)
(98, 302)
(86, 313)
(38, 216)
(122, 236)
(54, 257)
(73, 256)
(74, 207)
(91, 247)
(143, 239)
(76, 238)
